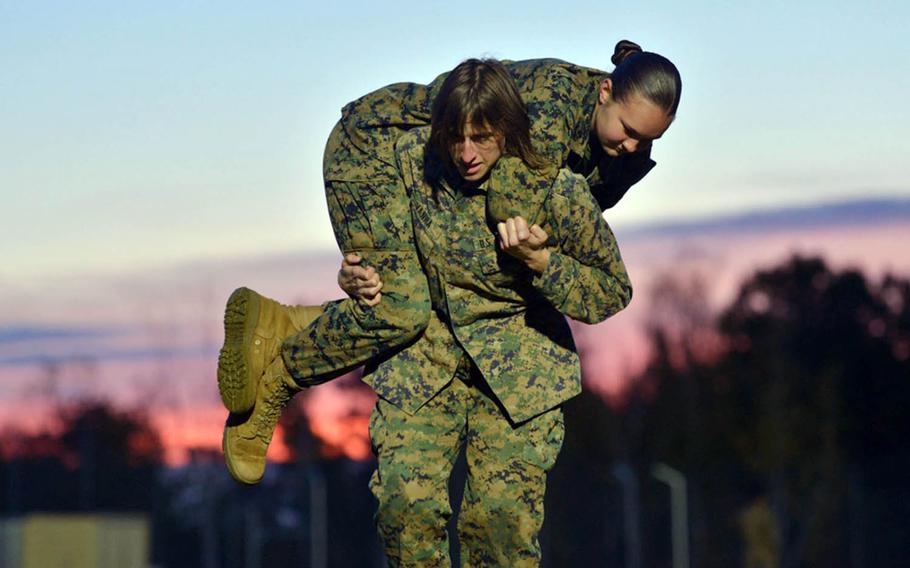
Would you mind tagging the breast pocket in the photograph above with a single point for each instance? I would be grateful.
(479, 254)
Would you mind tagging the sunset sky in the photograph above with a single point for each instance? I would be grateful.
(150, 343)
(155, 156)
(135, 134)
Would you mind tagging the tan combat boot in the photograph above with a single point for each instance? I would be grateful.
(254, 327)
(247, 436)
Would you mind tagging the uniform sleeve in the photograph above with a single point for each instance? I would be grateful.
(553, 111)
(408, 156)
(585, 278)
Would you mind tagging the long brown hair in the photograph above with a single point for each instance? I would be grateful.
(482, 92)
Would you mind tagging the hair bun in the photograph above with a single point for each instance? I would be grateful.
(624, 48)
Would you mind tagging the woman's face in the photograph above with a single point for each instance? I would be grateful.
(477, 152)
(629, 125)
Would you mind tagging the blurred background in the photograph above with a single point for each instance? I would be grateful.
(748, 409)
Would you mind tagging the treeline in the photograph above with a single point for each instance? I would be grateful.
(95, 458)
(787, 413)
(91, 457)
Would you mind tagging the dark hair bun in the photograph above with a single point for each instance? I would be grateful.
(624, 49)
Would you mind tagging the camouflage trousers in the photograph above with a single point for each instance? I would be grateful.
(502, 509)
(370, 213)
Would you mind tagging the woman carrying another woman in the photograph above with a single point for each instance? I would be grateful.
(597, 124)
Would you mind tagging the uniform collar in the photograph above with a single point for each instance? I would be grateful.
(445, 177)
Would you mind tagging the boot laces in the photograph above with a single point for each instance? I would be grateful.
(272, 404)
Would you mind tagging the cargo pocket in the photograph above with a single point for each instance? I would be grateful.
(544, 438)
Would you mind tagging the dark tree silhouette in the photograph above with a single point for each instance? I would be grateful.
(116, 454)
(818, 380)
(99, 458)
(786, 412)
(800, 407)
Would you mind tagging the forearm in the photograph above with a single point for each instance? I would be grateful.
(539, 261)
(585, 277)
(585, 293)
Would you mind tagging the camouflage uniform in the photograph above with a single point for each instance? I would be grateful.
(495, 363)
(369, 208)
(370, 216)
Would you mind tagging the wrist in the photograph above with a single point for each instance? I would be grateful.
(539, 260)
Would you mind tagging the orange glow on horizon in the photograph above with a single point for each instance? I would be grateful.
(341, 437)
(177, 391)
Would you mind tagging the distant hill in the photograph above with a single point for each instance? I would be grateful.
(845, 213)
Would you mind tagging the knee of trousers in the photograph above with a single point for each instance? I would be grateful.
(405, 304)
(408, 315)
(492, 519)
(506, 505)
(412, 515)
(500, 534)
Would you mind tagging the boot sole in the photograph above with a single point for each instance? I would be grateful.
(228, 459)
(237, 387)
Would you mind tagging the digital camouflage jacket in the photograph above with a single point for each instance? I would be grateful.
(488, 305)
(560, 99)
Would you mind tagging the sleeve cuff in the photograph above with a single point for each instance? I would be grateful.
(556, 280)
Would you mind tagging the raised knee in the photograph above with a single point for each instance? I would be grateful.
(408, 315)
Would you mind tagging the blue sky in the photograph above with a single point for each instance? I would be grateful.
(137, 135)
